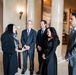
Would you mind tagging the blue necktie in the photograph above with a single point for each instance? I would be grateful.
(73, 31)
(28, 31)
(42, 31)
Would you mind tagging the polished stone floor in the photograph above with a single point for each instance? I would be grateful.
(62, 65)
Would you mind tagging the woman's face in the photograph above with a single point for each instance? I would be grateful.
(49, 33)
(14, 29)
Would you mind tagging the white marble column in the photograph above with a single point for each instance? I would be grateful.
(31, 10)
(34, 8)
(38, 14)
(1, 22)
(57, 22)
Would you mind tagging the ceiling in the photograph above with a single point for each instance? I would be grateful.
(49, 2)
(1, 1)
(73, 1)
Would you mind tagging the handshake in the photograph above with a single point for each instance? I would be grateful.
(26, 47)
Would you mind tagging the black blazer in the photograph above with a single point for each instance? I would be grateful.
(9, 53)
(8, 45)
(51, 59)
(41, 38)
(28, 40)
(71, 49)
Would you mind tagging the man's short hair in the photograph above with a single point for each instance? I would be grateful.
(74, 14)
(29, 21)
(44, 21)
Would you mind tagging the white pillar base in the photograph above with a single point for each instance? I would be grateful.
(0, 49)
(60, 60)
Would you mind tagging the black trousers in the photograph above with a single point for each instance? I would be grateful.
(40, 59)
(70, 70)
(31, 58)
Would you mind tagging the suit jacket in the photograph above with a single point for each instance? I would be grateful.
(28, 39)
(71, 49)
(41, 38)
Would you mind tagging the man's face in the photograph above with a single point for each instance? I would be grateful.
(42, 25)
(29, 24)
(73, 21)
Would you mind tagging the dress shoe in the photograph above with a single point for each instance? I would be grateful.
(31, 73)
(38, 72)
(23, 72)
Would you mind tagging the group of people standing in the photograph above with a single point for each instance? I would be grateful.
(46, 40)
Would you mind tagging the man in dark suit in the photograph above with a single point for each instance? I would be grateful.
(41, 36)
(28, 40)
(71, 47)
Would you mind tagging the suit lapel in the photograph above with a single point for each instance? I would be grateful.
(40, 34)
(72, 40)
(25, 33)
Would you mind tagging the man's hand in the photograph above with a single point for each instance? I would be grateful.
(26, 47)
(23, 49)
(43, 56)
(39, 48)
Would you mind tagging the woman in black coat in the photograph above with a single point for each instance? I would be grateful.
(49, 65)
(9, 48)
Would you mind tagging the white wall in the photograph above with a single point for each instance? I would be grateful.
(1, 20)
(69, 5)
(10, 14)
(38, 14)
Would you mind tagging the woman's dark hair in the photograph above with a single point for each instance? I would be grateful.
(9, 28)
(53, 33)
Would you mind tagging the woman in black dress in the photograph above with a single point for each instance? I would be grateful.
(10, 47)
(49, 65)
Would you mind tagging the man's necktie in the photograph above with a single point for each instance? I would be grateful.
(42, 32)
(28, 31)
(73, 31)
